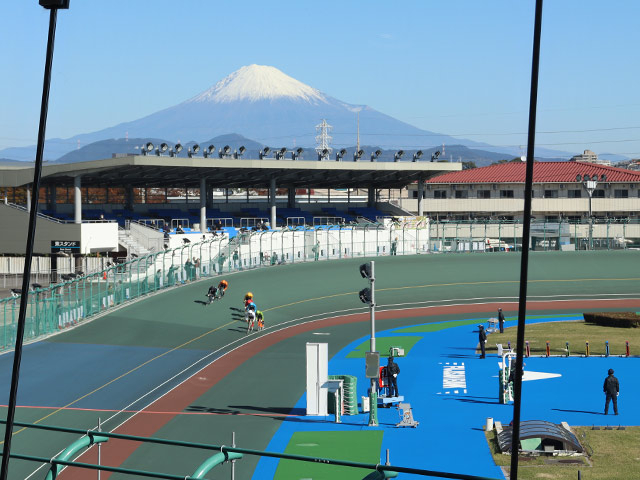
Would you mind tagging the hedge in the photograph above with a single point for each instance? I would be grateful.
(613, 319)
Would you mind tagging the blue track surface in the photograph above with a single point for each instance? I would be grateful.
(450, 437)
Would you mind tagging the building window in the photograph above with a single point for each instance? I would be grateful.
(439, 194)
(574, 219)
(551, 218)
(415, 194)
(621, 194)
(484, 193)
(506, 193)
(462, 194)
(551, 194)
(574, 193)
(598, 193)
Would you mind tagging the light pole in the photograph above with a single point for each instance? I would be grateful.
(372, 363)
(590, 183)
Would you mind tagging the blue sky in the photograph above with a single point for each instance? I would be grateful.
(454, 67)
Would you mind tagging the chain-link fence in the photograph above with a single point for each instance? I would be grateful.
(61, 305)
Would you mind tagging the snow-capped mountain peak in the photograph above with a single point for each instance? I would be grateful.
(259, 82)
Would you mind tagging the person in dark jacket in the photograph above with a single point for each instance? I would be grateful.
(612, 389)
(482, 338)
(392, 377)
(501, 320)
(212, 293)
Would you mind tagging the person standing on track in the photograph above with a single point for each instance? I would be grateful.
(612, 389)
(501, 320)
(392, 377)
(482, 338)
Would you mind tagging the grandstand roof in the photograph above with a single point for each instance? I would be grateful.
(154, 171)
(543, 172)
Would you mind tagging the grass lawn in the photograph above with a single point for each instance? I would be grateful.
(577, 333)
(613, 455)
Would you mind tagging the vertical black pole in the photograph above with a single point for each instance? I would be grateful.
(6, 449)
(526, 228)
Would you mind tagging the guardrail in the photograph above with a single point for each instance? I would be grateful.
(63, 304)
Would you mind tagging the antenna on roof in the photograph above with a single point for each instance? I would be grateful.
(358, 131)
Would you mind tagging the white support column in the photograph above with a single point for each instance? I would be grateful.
(77, 183)
(272, 202)
(28, 199)
(203, 205)
(420, 197)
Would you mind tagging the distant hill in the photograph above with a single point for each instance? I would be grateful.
(263, 103)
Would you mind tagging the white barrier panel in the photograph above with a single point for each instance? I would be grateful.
(317, 377)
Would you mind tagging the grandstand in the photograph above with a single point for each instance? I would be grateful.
(113, 194)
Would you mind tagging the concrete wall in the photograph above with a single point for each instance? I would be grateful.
(94, 237)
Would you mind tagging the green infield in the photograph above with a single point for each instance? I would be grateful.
(577, 333)
(352, 446)
(436, 327)
(383, 344)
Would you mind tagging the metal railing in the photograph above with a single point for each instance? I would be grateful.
(59, 305)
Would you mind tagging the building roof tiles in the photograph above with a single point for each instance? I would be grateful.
(543, 172)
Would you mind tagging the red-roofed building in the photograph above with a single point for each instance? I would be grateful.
(559, 192)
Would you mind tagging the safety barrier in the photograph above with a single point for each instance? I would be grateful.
(226, 453)
(61, 305)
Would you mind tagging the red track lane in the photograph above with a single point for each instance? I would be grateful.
(115, 452)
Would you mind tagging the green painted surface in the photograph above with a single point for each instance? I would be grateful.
(383, 344)
(436, 327)
(353, 446)
(176, 319)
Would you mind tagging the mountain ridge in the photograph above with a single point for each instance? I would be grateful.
(265, 104)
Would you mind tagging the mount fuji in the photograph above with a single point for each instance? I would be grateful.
(266, 105)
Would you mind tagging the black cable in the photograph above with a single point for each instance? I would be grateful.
(11, 410)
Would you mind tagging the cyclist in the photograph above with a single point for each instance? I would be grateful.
(260, 318)
(251, 318)
(250, 307)
(212, 293)
(222, 287)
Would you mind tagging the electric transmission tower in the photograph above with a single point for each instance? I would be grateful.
(323, 139)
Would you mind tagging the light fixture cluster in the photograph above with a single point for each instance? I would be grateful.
(193, 151)
(266, 153)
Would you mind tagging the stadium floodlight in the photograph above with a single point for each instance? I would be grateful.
(435, 155)
(578, 178)
(365, 295)
(398, 155)
(177, 148)
(323, 154)
(281, 153)
(340, 154)
(365, 270)
(417, 155)
(191, 151)
(54, 4)
(238, 153)
(603, 178)
(375, 155)
(146, 148)
(161, 149)
(224, 151)
(264, 152)
(295, 155)
(211, 149)
(357, 155)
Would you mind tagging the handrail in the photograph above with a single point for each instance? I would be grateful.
(72, 449)
(214, 461)
(223, 448)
